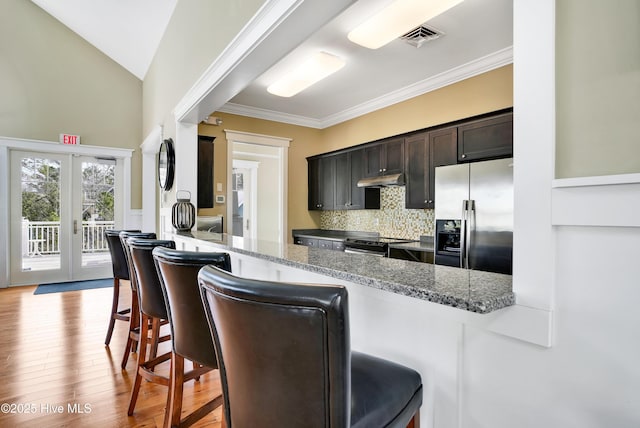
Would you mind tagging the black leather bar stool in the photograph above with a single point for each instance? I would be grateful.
(152, 313)
(133, 336)
(190, 334)
(120, 272)
(285, 359)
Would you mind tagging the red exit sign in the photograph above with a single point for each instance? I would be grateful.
(69, 139)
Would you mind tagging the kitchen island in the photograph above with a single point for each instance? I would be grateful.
(474, 291)
(420, 315)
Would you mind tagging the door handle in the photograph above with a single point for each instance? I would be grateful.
(464, 226)
(75, 227)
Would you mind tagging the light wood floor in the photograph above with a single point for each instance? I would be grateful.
(53, 363)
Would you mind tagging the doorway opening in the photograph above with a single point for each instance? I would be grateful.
(244, 186)
(257, 177)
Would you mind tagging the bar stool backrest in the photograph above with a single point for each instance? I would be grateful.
(118, 259)
(283, 350)
(179, 279)
(148, 279)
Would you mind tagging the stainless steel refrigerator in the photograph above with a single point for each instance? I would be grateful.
(474, 215)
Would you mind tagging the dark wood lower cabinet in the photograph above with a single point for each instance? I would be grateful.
(329, 244)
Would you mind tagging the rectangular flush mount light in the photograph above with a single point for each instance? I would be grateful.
(311, 71)
(396, 19)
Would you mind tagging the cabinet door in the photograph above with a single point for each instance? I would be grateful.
(393, 161)
(486, 138)
(343, 181)
(325, 243)
(327, 182)
(425, 152)
(313, 185)
(373, 160)
(307, 242)
(416, 171)
(442, 151)
(356, 172)
(321, 184)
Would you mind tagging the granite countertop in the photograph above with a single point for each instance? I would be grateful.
(473, 291)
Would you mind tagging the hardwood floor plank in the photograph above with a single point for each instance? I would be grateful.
(53, 361)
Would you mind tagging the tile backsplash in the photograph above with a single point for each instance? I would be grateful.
(391, 220)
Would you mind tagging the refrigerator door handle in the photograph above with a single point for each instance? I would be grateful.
(463, 234)
(471, 227)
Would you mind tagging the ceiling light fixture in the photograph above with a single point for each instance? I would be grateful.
(396, 19)
(314, 69)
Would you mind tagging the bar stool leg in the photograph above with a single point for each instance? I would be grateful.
(115, 314)
(134, 334)
(175, 391)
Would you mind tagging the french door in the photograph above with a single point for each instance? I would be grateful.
(60, 206)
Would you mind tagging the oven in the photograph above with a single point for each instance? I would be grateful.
(371, 246)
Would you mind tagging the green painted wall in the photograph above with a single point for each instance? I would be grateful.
(197, 33)
(53, 82)
(597, 87)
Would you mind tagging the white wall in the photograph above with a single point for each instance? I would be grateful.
(590, 377)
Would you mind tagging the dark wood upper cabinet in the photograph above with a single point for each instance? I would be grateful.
(205, 171)
(442, 151)
(426, 151)
(386, 157)
(333, 177)
(321, 185)
(349, 170)
(415, 173)
(343, 181)
(488, 138)
(333, 183)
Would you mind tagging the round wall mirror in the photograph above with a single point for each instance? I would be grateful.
(166, 164)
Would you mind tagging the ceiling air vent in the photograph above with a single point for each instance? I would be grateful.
(419, 35)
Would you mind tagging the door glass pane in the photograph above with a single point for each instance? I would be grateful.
(98, 182)
(238, 202)
(40, 185)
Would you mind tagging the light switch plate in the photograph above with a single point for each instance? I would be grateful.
(219, 199)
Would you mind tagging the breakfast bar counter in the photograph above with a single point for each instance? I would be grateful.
(473, 291)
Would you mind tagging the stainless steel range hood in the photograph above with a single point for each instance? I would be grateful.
(382, 181)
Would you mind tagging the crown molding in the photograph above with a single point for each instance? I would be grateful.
(473, 68)
(260, 113)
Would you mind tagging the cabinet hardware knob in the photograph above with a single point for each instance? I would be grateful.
(430, 201)
(384, 169)
(463, 156)
(380, 170)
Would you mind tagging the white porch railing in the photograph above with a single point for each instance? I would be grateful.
(43, 237)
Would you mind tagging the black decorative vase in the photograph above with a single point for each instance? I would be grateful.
(183, 213)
